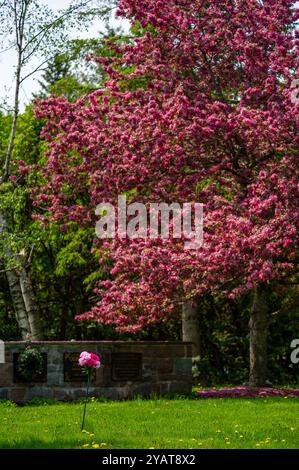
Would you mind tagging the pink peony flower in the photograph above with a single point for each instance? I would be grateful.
(91, 360)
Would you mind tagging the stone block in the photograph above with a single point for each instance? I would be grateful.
(183, 366)
(164, 351)
(4, 393)
(164, 388)
(55, 378)
(17, 395)
(180, 387)
(188, 350)
(108, 392)
(99, 377)
(148, 372)
(105, 357)
(38, 392)
(144, 389)
(164, 366)
(107, 375)
(55, 368)
(6, 374)
(8, 355)
(63, 394)
(80, 393)
(157, 351)
(55, 356)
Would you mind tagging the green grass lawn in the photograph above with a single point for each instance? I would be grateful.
(153, 424)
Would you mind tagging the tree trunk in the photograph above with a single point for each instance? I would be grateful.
(258, 325)
(18, 303)
(8, 155)
(19, 284)
(31, 307)
(190, 325)
(14, 286)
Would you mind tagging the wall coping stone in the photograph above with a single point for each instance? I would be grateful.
(128, 342)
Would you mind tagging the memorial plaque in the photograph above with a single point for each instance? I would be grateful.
(73, 372)
(18, 377)
(126, 366)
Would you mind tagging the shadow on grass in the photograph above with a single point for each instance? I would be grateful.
(39, 444)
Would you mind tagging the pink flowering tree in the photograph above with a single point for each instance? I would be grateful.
(199, 107)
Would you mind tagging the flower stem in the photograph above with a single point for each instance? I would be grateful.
(86, 397)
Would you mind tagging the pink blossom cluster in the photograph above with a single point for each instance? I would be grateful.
(247, 392)
(91, 360)
(205, 115)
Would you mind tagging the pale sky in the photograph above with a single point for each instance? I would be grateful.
(7, 60)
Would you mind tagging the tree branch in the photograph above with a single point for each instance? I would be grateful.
(44, 30)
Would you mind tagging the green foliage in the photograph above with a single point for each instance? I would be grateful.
(60, 77)
(5, 126)
(30, 363)
(71, 74)
(8, 325)
(43, 402)
(225, 340)
(75, 253)
(7, 404)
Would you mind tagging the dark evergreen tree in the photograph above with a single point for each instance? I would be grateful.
(58, 68)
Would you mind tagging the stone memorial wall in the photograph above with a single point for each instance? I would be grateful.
(129, 368)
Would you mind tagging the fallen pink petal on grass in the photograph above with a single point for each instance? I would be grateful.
(248, 392)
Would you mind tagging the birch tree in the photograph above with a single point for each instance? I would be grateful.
(34, 33)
